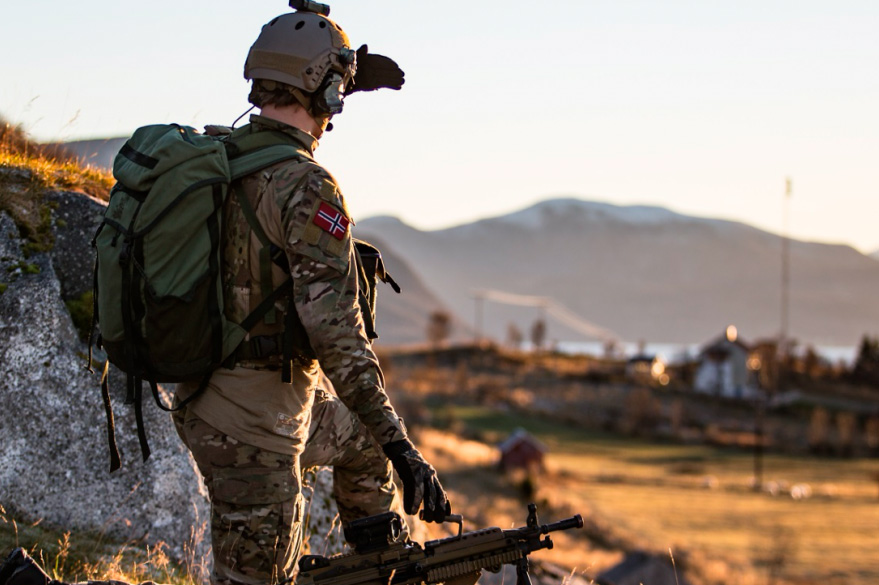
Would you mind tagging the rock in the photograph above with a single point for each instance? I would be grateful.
(76, 217)
(54, 464)
(641, 567)
(541, 573)
(10, 247)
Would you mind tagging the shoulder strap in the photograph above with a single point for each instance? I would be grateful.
(249, 162)
(249, 152)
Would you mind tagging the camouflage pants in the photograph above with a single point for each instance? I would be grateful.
(256, 505)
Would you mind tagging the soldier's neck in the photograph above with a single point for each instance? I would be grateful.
(296, 116)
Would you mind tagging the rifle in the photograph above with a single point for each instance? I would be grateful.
(379, 558)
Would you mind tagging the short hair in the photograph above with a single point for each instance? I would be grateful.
(266, 92)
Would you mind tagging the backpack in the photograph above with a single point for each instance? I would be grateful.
(158, 273)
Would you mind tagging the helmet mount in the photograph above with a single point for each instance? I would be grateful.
(309, 6)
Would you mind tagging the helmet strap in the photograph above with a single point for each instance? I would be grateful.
(304, 99)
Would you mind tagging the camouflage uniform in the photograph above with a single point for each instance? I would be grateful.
(251, 434)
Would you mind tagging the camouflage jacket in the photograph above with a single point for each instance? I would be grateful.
(302, 211)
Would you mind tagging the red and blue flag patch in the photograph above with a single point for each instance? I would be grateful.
(331, 221)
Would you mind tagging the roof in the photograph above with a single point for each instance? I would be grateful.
(518, 436)
(721, 343)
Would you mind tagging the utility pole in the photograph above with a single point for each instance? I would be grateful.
(785, 280)
(782, 352)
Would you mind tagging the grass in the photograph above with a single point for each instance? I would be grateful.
(655, 495)
(49, 167)
(27, 171)
(88, 556)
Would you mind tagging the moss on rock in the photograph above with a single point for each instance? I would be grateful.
(81, 311)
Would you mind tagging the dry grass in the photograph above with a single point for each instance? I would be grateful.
(698, 502)
(47, 167)
(487, 498)
(86, 556)
(27, 171)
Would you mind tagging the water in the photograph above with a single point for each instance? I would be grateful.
(674, 353)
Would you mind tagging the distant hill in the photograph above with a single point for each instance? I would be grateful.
(97, 153)
(643, 272)
(874, 255)
(402, 318)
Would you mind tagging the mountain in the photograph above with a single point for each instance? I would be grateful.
(874, 254)
(643, 273)
(97, 153)
(402, 318)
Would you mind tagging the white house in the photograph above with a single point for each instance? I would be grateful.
(723, 368)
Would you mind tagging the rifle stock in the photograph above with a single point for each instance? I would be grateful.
(459, 558)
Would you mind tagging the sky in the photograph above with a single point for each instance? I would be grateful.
(703, 107)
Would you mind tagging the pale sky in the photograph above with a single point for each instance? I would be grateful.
(700, 106)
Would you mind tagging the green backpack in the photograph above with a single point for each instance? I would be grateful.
(158, 273)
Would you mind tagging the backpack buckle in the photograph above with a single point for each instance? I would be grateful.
(263, 346)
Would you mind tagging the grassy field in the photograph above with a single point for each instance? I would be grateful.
(699, 500)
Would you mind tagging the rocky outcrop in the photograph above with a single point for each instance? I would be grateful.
(641, 567)
(54, 460)
(76, 217)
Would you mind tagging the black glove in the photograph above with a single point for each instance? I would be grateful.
(374, 72)
(420, 484)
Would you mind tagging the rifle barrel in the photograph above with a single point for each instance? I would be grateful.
(575, 521)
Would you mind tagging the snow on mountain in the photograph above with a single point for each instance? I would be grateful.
(539, 215)
(644, 272)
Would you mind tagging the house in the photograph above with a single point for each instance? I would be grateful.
(646, 369)
(724, 368)
(522, 451)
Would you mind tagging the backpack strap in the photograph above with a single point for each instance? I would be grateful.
(246, 162)
(265, 252)
(261, 150)
(115, 460)
(270, 254)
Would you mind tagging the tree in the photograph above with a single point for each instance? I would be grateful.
(812, 366)
(538, 333)
(866, 367)
(439, 327)
(871, 435)
(514, 336)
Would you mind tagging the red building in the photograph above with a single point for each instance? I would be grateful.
(522, 451)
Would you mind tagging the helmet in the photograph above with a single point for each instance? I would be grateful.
(308, 52)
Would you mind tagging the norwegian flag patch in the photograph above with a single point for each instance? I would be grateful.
(331, 221)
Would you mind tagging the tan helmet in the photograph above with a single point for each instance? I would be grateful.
(307, 51)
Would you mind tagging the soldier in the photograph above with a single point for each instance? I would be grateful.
(250, 431)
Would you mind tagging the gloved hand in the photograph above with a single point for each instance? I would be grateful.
(374, 72)
(420, 484)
